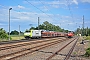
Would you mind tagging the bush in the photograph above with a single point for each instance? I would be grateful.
(3, 34)
(87, 54)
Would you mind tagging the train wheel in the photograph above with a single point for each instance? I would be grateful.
(27, 37)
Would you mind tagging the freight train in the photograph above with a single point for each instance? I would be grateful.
(43, 34)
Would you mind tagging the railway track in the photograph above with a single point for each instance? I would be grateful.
(19, 41)
(69, 53)
(47, 52)
(23, 44)
(26, 51)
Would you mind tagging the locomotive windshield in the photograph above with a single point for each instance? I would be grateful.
(27, 31)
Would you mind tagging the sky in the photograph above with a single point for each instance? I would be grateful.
(68, 14)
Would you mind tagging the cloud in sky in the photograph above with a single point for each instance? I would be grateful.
(56, 12)
(21, 7)
(75, 1)
(54, 3)
(31, 18)
(88, 1)
(2, 24)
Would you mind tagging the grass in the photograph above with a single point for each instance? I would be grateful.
(75, 52)
(87, 54)
(13, 37)
(3, 40)
(89, 44)
(16, 37)
(87, 38)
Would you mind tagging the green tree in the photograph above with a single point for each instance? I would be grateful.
(32, 28)
(48, 26)
(66, 31)
(3, 34)
(14, 32)
(84, 32)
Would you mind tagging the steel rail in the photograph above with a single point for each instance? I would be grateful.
(36, 50)
(30, 49)
(59, 50)
(70, 51)
(20, 45)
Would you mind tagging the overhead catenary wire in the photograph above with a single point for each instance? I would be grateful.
(59, 1)
(35, 7)
(48, 9)
(7, 8)
(68, 4)
(18, 11)
(12, 8)
(4, 9)
(39, 9)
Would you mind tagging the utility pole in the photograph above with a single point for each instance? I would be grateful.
(38, 23)
(83, 26)
(9, 22)
(19, 31)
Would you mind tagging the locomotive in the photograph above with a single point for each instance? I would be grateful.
(70, 34)
(43, 34)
